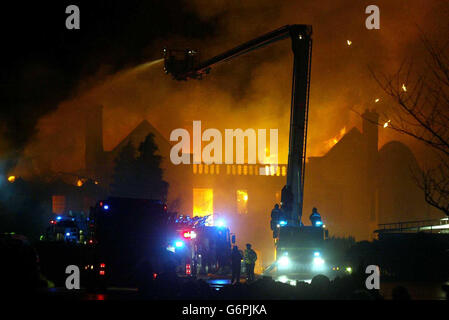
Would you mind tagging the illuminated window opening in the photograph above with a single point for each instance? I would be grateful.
(203, 202)
(242, 201)
(277, 197)
(58, 204)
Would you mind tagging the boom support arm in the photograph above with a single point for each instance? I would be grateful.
(301, 37)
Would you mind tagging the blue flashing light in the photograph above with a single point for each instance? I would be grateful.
(58, 218)
(282, 223)
(179, 244)
(220, 223)
(68, 234)
(318, 223)
(106, 207)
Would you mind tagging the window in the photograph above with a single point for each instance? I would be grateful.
(203, 202)
(242, 202)
(58, 204)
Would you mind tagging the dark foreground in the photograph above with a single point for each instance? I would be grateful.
(320, 288)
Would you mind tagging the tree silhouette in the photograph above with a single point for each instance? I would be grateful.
(138, 174)
(421, 111)
(124, 173)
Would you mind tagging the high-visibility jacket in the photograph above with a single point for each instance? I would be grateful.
(250, 256)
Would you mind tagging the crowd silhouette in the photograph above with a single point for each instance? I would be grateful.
(20, 272)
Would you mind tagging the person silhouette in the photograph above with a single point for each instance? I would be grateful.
(315, 218)
(236, 259)
(250, 257)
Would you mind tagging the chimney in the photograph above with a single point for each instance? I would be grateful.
(371, 138)
(94, 139)
(371, 130)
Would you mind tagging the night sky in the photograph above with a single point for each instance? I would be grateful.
(43, 61)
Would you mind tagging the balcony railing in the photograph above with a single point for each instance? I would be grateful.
(435, 225)
(240, 169)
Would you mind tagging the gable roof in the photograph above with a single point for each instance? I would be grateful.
(138, 135)
(353, 138)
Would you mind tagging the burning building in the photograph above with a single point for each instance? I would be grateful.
(237, 194)
(355, 185)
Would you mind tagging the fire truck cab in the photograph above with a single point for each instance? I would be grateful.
(299, 252)
(199, 248)
(127, 233)
(66, 228)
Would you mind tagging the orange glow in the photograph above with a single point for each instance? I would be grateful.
(272, 158)
(58, 204)
(349, 42)
(242, 201)
(12, 179)
(333, 141)
(79, 183)
(386, 124)
(203, 202)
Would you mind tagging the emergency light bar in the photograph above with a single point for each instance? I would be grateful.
(189, 234)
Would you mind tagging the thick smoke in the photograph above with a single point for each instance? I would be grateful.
(252, 91)
(44, 64)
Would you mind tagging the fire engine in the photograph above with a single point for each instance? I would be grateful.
(68, 228)
(200, 248)
(122, 234)
(126, 233)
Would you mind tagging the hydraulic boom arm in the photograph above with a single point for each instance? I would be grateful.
(187, 67)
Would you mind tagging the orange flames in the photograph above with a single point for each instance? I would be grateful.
(333, 141)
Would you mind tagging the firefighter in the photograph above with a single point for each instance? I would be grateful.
(275, 217)
(236, 258)
(250, 258)
(315, 218)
